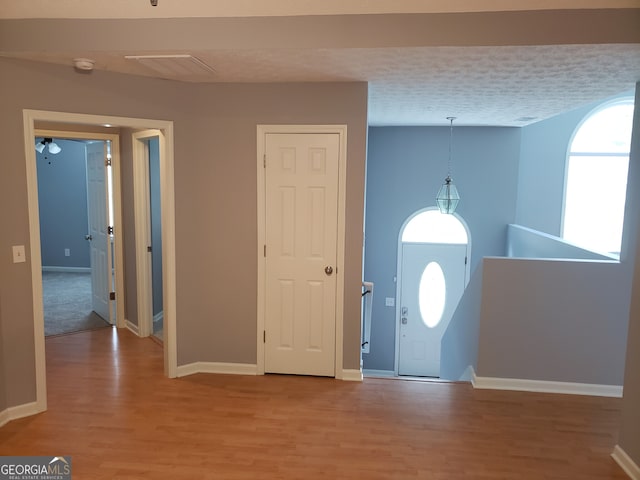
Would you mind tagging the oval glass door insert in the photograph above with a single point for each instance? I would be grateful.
(432, 294)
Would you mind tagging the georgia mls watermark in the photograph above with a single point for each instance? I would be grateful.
(35, 468)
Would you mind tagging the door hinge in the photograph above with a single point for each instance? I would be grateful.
(264, 336)
(264, 161)
(107, 162)
(149, 249)
(112, 295)
(465, 260)
(265, 251)
(109, 230)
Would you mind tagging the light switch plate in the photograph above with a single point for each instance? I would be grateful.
(19, 254)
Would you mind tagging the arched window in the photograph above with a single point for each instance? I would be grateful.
(596, 178)
(431, 226)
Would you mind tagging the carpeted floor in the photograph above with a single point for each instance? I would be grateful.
(67, 303)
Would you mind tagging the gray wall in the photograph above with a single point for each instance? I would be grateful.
(553, 320)
(216, 204)
(3, 365)
(629, 438)
(405, 168)
(62, 199)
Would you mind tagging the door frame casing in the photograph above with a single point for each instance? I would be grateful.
(396, 365)
(142, 214)
(30, 117)
(262, 132)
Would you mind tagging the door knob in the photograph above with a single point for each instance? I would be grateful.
(328, 270)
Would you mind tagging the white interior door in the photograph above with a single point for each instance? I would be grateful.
(99, 238)
(301, 212)
(433, 280)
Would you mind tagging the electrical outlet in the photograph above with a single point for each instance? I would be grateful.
(389, 302)
(67, 252)
(19, 254)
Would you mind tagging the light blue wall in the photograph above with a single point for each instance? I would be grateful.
(543, 159)
(405, 168)
(525, 242)
(156, 223)
(62, 199)
(460, 342)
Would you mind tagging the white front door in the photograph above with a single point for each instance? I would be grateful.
(433, 280)
(301, 213)
(99, 239)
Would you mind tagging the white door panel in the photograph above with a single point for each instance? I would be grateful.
(301, 237)
(100, 251)
(425, 315)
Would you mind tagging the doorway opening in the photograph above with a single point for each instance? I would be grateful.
(432, 272)
(148, 147)
(76, 217)
(105, 128)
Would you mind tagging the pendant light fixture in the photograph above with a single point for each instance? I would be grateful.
(448, 196)
(53, 147)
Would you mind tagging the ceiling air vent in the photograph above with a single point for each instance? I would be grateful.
(174, 66)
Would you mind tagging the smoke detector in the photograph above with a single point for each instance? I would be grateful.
(85, 64)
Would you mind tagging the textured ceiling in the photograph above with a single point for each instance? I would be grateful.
(507, 86)
(420, 68)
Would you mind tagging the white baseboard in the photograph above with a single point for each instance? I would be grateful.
(543, 386)
(132, 327)
(378, 373)
(67, 269)
(630, 467)
(217, 367)
(352, 375)
(20, 411)
(4, 418)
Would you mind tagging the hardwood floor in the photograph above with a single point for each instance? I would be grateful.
(113, 412)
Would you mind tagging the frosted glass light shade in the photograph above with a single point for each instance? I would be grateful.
(54, 148)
